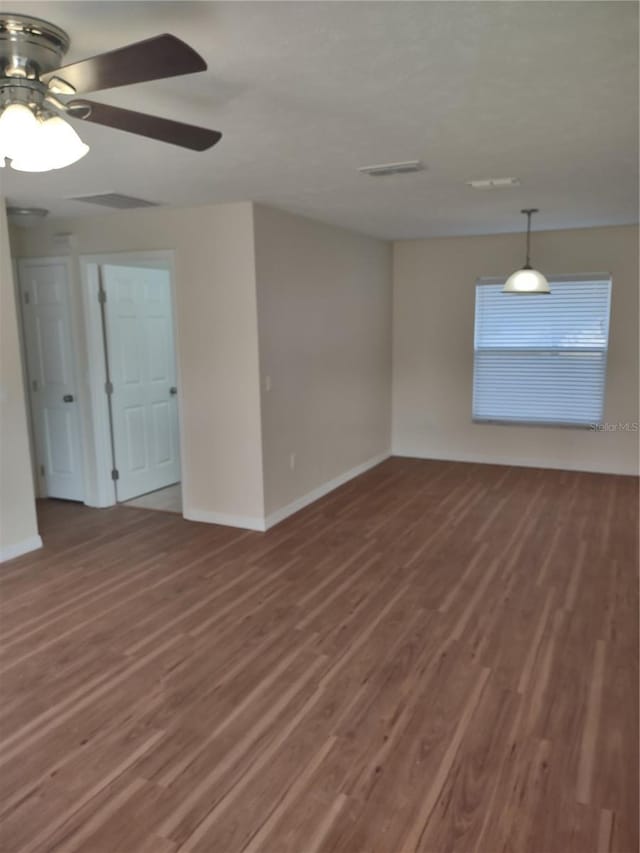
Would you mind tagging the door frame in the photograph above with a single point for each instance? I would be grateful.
(20, 265)
(22, 338)
(105, 487)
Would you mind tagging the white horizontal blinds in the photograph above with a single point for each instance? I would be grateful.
(542, 358)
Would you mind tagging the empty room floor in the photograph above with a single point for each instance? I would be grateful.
(435, 657)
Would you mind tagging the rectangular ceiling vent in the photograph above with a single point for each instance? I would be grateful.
(392, 168)
(494, 183)
(115, 200)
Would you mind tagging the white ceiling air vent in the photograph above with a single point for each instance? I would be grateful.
(493, 183)
(392, 168)
(115, 200)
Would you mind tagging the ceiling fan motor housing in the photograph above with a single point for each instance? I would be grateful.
(29, 46)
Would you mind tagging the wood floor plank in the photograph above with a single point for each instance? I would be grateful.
(437, 657)
(591, 725)
(466, 797)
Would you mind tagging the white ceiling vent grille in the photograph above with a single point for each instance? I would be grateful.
(385, 169)
(116, 201)
(493, 183)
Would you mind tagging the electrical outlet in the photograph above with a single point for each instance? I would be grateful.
(292, 461)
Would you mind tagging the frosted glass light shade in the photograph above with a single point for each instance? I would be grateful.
(36, 145)
(17, 125)
(54, 146)
(526, 280)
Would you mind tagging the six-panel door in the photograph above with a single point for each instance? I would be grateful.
(141, 358)
(45, 298)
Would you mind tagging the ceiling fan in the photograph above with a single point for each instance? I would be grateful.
(37, 93)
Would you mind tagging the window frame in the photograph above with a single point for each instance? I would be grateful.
(523, 422)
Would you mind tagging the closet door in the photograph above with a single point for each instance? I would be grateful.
(45, 296)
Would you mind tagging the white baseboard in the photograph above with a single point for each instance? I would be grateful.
(260, 523)
(10, 552)
(247, 522)
(299, 503)
(516, 463)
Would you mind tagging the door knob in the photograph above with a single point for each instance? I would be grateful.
(173, 390)
(68, 398)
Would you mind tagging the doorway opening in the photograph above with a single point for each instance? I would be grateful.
(138, 344)
(131, 343)
(140, 365)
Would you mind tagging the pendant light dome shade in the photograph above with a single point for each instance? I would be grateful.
(526, 279)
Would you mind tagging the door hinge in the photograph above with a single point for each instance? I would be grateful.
(115, 474)
(102, 296)
(42, 470)
(27, 298)
(34, 384)
(108, 387)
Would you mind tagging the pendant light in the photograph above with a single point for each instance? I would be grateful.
(527, 280)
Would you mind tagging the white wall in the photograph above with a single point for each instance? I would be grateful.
(324, 311)
(217, 343)
(433, 349)
(263, 294)
(18, 523)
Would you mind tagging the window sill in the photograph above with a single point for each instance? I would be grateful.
(591, 427)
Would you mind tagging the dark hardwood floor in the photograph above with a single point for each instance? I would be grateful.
(436, 657)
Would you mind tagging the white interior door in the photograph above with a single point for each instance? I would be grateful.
(51, 375)
(142, 369)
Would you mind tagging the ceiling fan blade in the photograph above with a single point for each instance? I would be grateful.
(152, 59)
(163, 129)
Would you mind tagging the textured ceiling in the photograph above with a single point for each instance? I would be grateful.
(305, 92)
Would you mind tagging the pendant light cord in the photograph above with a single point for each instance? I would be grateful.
(529, 213)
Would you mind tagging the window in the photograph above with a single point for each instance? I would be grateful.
(542, 359)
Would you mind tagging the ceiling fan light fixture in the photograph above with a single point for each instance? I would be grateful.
(33, 80)
(38, 145)
(526, 279)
